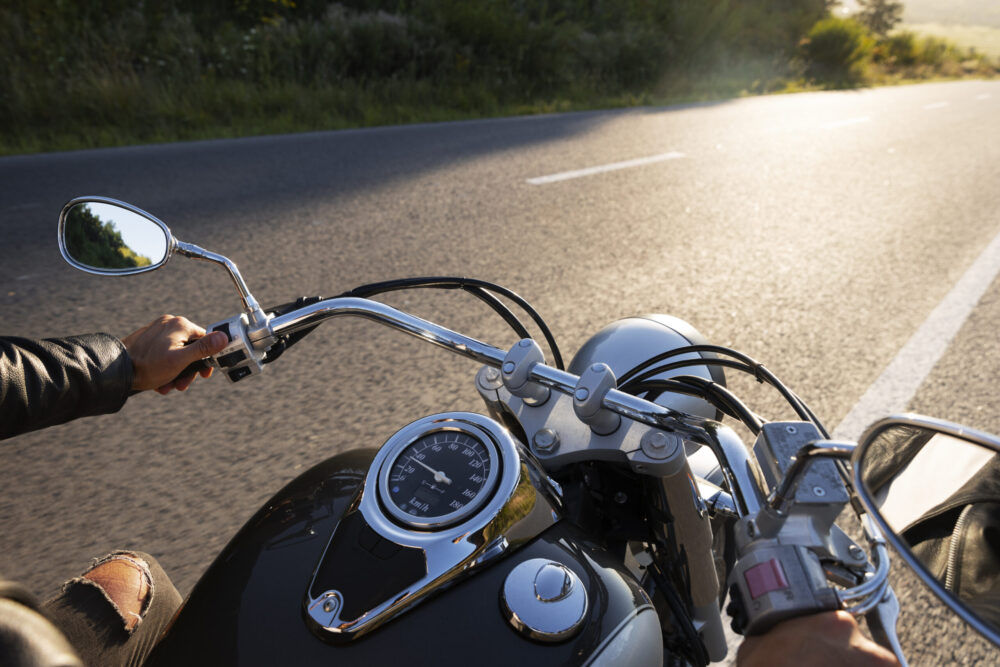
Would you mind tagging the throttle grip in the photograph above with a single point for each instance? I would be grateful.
(774, 582)
(192, 368)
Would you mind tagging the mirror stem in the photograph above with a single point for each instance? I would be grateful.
(250, 305)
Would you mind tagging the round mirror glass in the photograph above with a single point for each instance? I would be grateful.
(107, 238)
(936, 488)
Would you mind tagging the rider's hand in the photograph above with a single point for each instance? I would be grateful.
(164, 347)
(829, 639)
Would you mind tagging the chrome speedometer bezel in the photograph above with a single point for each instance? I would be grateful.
(407, 436)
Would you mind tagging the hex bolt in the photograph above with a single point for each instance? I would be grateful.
(328, 606)
(546, 441)
(819, 491)
(856, 552)
(621, 498)
(659, 445)
(489, 378)
(658, 440)
(508, 367)
(581, 394)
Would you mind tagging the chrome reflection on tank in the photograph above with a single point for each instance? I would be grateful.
(514, 513)
(544, 600)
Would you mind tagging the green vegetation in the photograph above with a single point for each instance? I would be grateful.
(94, 242)
(112, 72)
(837, 50)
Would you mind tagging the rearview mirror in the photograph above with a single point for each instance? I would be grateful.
(109, 237)
(934, 489)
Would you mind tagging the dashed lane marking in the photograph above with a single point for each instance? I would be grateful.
(614, 166)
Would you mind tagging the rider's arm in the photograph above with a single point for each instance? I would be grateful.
(48, 382)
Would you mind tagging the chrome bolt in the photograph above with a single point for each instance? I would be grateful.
(524, 342)
(489, 378)
(328, 606)
(658, 440)
(659, 445)
(508, 367)
(856, 552)
(581, 394)
(597, 368)
(546, 441)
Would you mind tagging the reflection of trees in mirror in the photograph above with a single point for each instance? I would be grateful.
(96, 243)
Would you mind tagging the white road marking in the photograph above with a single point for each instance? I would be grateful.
(901, 379)
(627, 164)
(984, 96)
(936, 105)
(845, 123)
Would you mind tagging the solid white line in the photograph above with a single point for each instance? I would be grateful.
(984, 96)
(638, 162)
(936, 105)
(849, 121)
(901, 379)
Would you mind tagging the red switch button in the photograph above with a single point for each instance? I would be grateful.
(765, 578)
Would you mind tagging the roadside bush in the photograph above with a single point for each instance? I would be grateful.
(899, 49)
(934, 52)
(837, 50)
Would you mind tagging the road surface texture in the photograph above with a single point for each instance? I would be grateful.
(815, 232)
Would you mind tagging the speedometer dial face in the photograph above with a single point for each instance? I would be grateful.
(440, 478)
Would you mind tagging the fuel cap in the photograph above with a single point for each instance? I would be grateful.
(544, 600)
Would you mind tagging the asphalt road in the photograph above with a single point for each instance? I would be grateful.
(815, 232)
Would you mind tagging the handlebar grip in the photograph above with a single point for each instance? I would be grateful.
(192, 368)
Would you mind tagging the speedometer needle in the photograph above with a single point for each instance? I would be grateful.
(438, 475)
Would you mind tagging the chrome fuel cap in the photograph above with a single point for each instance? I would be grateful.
(544, 600)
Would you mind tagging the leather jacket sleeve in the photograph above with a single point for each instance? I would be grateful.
(52, 381)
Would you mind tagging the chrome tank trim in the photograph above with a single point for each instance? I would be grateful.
(502, 524)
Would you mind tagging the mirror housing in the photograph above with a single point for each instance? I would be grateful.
(933, 487)
(108, 237)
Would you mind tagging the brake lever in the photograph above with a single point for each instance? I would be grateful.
(882, 624)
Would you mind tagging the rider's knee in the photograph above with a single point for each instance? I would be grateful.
(125, 580)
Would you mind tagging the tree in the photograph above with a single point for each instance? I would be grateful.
(880, 16)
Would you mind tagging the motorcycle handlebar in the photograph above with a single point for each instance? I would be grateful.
(735, 461)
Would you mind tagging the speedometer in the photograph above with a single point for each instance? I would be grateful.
(440, 478)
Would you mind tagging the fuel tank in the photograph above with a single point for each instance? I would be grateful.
(247, 609)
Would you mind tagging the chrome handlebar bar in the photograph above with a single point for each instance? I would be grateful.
(735, 460)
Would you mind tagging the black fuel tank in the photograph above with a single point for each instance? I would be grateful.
(247, 609)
